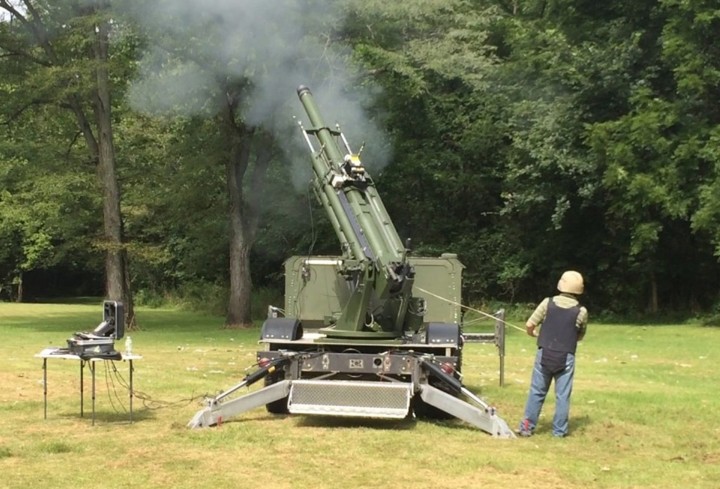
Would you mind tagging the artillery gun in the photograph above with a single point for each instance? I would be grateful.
(373, 332)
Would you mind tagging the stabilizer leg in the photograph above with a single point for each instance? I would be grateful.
(485, 418)
(217, 412)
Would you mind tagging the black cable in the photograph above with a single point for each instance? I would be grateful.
(148, 401)
(154, 404)
(110, 392)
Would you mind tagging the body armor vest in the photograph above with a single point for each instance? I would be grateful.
(559, 331)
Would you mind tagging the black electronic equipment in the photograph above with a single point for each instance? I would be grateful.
(100, 343)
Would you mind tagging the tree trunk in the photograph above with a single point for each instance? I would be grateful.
(239, 304)
(239, 311)
(653, 293)
(243, 210)
(117, 283)
(19, 296)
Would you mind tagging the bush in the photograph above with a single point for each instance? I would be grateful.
(198, 296)
(208, 298)
(262, 297)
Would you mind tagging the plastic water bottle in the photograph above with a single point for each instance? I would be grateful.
(128, 346)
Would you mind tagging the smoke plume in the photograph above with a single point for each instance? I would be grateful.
(275, 45)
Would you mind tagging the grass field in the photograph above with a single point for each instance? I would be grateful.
(644, 414)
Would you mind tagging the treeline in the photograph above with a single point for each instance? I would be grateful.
(528, 137)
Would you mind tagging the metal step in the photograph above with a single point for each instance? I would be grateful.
(350, 398)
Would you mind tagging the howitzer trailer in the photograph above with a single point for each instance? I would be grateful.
(373, 332)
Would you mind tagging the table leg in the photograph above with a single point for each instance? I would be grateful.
(131, 391)
(92, 371)
(45, 387)
(82, 387)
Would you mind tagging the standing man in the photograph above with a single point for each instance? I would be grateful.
(562, 321)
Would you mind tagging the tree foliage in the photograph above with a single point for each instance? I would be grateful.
(527, 137)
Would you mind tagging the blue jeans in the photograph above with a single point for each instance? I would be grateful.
(539, 386)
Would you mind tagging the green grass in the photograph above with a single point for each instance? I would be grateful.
(644, 415)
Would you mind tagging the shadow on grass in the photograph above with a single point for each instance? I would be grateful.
(577, 425)
(103, 416)
(319, 421)
(52, 323)
(81, 300)
(349, 423)
(408, 423)
(353, 423)
(70, 318)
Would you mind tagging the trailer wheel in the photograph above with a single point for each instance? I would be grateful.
(424, 410)
(281, 405)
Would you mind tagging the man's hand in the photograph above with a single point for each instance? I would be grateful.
(530, 329)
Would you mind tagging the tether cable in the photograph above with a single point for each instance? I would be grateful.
(490, 316)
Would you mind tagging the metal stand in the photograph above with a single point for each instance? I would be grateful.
(497, 338)
(50, 353)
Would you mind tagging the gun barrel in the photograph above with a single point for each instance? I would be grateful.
(348, 186)
(326, 166)
(361, 223)
(324, 134)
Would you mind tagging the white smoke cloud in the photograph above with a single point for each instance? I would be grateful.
(275, 44)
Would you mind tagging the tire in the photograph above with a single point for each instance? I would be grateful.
(281, 405)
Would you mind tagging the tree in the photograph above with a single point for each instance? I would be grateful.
(659, 156)
(238, 78)
(605, 152)
(688, 46)
(65, 48)
(436, 64)
(47, 206)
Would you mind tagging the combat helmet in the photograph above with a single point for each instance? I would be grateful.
(571, 282)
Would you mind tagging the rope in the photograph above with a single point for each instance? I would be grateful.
(490, 316)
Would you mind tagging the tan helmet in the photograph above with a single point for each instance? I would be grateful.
(571, 282)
